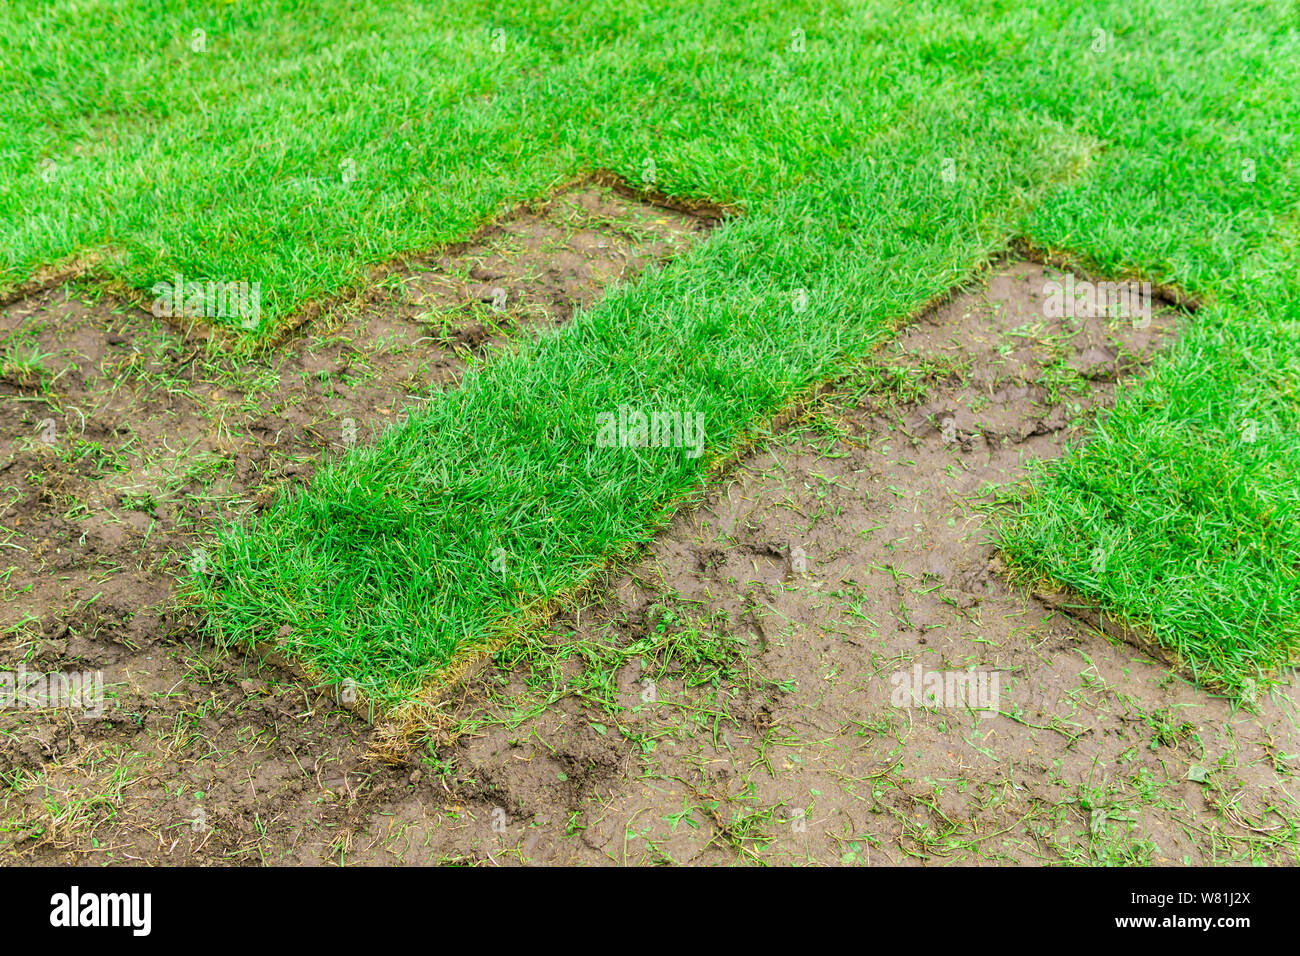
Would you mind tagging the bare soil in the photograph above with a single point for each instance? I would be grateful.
(729, 699)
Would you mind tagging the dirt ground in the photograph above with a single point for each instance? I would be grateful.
(733, 698)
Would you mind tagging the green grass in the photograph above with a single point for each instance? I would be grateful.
(1127, 150)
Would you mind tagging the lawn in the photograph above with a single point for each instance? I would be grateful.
(872, 157)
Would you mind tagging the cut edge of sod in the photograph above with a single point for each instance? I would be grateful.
(86, 267)
(304, 312)
(1119, 624)
(81, 267)
(1085, 267)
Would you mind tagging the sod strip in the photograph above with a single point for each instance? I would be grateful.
(501, 495)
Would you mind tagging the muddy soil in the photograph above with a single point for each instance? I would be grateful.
(743, 694)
